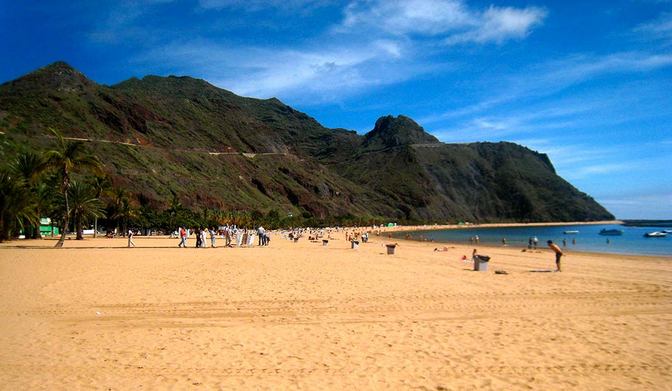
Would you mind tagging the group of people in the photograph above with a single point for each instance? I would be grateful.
(556, 249)
(314, 234)
(532, 242)
(232, 235)
(357, 235)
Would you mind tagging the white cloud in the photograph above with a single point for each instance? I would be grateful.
(450, 20)
(549, 78)
(500, 24)
(595, 169)
(315, 75)
(121, 22)
(653, 204)
(490, 124)
(427, 17)
(256, 5)
(581, 68)
(659, 29)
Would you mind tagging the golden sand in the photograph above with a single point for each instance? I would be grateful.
(304, 316)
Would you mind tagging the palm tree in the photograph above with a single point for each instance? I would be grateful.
(17, 206)
(66, 158)
(30, 167)
(122, 209)
(83, 205)
(101, 184)
(174, 212)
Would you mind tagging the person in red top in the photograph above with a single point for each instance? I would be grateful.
(558, 253)
(183, 238)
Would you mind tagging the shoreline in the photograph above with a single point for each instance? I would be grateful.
(436, 227)
(522, 245)
(566, 251)
(102, 243)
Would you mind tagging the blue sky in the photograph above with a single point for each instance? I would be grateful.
(587, 82)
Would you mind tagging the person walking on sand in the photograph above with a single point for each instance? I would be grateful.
(213, 237)
(197, 231)
(558, 253)
(227, 236)
(183, 237)
(261, 231)
(239, 236)
(250, 238)
(130, 238)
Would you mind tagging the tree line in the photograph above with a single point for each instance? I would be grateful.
(66, 183)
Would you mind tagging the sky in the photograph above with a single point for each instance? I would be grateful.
(587, 82)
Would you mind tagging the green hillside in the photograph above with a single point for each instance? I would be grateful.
(159, 136)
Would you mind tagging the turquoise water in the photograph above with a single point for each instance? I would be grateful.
(588, 239)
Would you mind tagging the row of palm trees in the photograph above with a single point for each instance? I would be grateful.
(65, 182)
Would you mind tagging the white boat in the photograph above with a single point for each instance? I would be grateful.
(656, 234)
(571, 232)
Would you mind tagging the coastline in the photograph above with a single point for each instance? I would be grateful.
(519, 244)
(437, 227)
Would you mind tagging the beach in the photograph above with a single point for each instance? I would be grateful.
(96, 314)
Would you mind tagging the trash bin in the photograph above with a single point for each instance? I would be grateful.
(325, 242)
(354, 244)
(481, 263)
(390, 248)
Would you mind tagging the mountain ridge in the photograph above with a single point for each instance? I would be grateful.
(396, 170)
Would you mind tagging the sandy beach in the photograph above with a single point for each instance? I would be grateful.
(302, 316)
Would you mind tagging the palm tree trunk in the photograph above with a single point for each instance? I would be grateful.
(95, 227)
(4, 232)
(66, 221)
(78, 227)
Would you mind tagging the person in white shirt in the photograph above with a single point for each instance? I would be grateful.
(130, 239)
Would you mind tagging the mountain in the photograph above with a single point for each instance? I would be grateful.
(159, 135)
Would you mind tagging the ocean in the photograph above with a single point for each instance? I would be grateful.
(587, 239)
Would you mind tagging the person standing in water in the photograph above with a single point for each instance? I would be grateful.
(558, 253)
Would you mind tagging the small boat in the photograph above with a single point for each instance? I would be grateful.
(656, 234)
(611, 232)
(570, 232)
